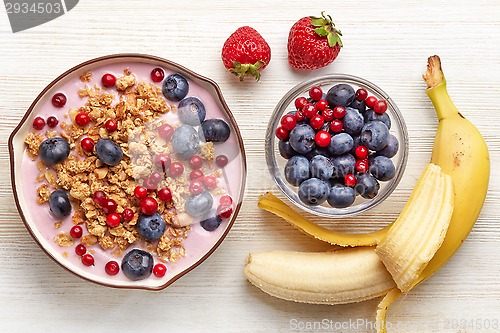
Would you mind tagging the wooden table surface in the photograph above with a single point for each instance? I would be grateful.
(386, 42)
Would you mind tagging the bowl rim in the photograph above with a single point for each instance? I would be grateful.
(270, 144)
(168, 64)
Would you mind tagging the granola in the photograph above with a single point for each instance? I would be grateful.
(136, 110)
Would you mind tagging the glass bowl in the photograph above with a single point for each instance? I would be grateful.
(276, 163)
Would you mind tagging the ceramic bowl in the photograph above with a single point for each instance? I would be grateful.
(199, 244)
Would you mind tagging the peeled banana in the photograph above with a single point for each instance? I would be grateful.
(338, 277)
(437, 218)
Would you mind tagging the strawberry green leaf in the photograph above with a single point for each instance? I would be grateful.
(244, 70)
(321, 31)
(334, 39)
(318, 21)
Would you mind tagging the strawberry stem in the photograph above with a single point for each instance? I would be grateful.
(325, 27)
(243, 70)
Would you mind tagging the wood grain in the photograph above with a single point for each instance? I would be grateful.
(386, 42)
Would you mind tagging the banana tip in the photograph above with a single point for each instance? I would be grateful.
(434, 74)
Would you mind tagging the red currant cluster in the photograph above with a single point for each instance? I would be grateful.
(317, 111)
(327, 121)
(87, 259)
(39, 123)
(112, 267)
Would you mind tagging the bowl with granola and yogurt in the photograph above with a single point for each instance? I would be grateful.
(128, 170)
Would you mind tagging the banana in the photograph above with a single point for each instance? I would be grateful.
(419, 231)
(338, 277)
(461, 152)
(437, 218)
(357, 274)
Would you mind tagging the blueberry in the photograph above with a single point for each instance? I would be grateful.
(108, 152)
(341, 196)
(59, 204)
(392, 147)
(340, 94)
(374, 135)
(321, 167)
(302, 138)
(53, 151)
(211, 222)
(335, 180)
(343, 165)
(382, 168)
(340, 144)
(286, 151)
(137, 264)
(371, 115)
(151, 227)
(358, 105)
(353, 121)
(313, 191)
(175, 87)
(367, 186)
(215, 130)
(199, 204)
(317, 151)
(191, 111)
(185, 141)
(297, 170)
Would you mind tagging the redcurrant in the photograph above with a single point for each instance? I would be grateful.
(380, 107)
(361, 94)
(87, 259)
(38, 123)
(336, 126)
(140, 192)
(300, 102)
(322, 138)
(157, 74)
(317, 122)
(52, 121)
(288, 122)
(111, 125)
(165, 194)
(59, 100)
(361, 152)
(112, 267)
(281, 133)
(76, 231)
(113, 220)
(350, 180)
(159, 270)
(315, 93)
(339, 112)
(370, 101)
(108, 80)
(149, 206)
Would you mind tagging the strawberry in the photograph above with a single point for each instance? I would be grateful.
(313, 42)
(246, 53)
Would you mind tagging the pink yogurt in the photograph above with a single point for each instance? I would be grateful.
(198, 242)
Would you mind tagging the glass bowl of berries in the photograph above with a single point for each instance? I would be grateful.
(336, 145)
